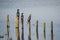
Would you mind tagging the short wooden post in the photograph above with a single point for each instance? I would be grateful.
(22, 21)
(29, 23)
(8, 26)
(51, 30)
(44, 30)
(37, 29)
(17, 25)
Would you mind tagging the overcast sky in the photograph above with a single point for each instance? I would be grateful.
(42, 8)
(28, 3)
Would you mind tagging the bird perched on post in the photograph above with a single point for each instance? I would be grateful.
(29, 18)
(18, 14)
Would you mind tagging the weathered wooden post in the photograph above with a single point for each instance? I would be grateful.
(29, 23)
(51, 30)
(17, 25)
(8, 26)
(44, 30)
(37, 30)
(22, 21)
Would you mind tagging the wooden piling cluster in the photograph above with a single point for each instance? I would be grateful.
(29, 25)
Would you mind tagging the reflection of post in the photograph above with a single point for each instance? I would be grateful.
(44, 31)
(8, 26)
(22, 21)
(17, 25)
(37, 29)
(51, 30)
(29, 22)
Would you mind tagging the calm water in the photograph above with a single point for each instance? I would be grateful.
(33, 30)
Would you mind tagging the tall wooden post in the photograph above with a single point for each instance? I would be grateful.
(37, 29)
(29, 23)
(44, 31)
(51, 30)
(22, 21)
(8, 26)
(17, 25)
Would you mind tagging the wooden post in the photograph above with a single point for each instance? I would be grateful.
(17, 25)
(51, 30)
(8, 26)
(37, 29)
(29, 23)
(44, 30)
(22, 21)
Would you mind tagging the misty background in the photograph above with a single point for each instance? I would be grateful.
(43, 10)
